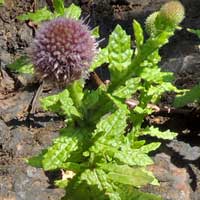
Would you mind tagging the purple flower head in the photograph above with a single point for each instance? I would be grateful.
(63, 50)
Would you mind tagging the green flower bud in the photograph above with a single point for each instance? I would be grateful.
(172, 12)
(150, 26)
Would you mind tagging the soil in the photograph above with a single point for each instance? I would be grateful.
(177, 163)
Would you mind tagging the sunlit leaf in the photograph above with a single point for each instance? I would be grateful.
(59, 6)
(155, 132)
(22, 65)
(38, 16)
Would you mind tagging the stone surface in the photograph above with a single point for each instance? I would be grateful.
(189, 63)
(18, 180)
(174, 181)
(185, 150)
(8, 108)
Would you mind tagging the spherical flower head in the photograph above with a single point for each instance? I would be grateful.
(173, 12)
(150, 26)
(63, 50)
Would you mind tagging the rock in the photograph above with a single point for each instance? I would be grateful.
(25, 36)
(173, 65)
(21, 142)
(7, 84)
(189, 63)
(185, 150)
(18, 180)
(26, 79)
(15, 106)
(4, 132)
(6, 184)
(5, 57)
(34, 187)
(174, 181)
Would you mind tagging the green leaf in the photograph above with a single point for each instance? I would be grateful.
(157, 91)
(155, 132)
(150, 147)
(138, 32)
(133, 157)
(61, 183)
(69, 142)
(153, 44)
(60, 103)
(76, 92)
(135, 176)
(148, 48)
(95, 32)
(22, 65)
(101, 58)
(154, 75)
(36, 161)
(108, 135)
(131, 86)
(131, 193)
(119, 53)
(119, 103)
(113, 124)
(73, 12)
(92, 184)
(144, 111)
(92, 97)
(95, 114)
(59, 6)
(197, 32)
(2, 2)
(190, 96)
(38, 16)
(75, 167)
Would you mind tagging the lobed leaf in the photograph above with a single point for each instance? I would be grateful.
(113, 124)
(150, 147)
(154, 75)
(148, 48)
(63, 147)
(123, 174)
(158, 90)
(60, 103)
(155, 132)
(119, 53)
(138, 32)
(108, 135)
(133, 157)
(130, 87)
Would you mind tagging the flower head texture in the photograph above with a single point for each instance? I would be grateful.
(173, 12)
(63, 50)
(150, 23)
